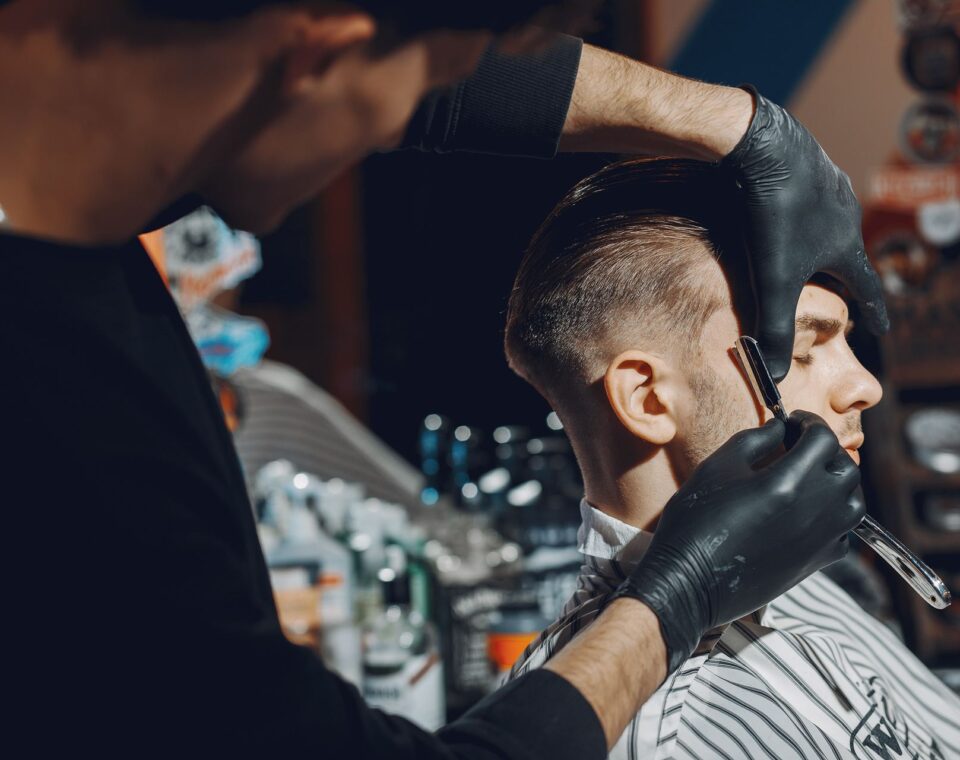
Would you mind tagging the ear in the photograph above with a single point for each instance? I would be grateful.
(321, 39)
(639, 388)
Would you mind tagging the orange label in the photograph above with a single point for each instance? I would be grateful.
(299, 611)
(503, 649)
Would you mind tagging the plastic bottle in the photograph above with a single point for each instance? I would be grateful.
(402, 669)
(305, 545)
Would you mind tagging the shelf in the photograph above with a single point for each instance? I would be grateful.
(923, 540)
(921, 477)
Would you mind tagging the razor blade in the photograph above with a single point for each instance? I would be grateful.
(904, 562)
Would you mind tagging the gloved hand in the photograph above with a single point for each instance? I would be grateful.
(742, 531)
(801, 217)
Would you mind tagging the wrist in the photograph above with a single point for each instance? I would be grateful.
(643, 620)
(669, 589)
(703, 121)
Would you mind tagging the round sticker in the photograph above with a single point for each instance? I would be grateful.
(904, 263)
(922, 12)
(931, 59)
(939, 222)
(930, 132)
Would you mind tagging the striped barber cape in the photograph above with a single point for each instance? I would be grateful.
(809, 676)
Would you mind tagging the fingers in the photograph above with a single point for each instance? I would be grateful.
(835, 551)
(756, 444)
(846, 472)
(865, 286)
(816, 450)
(847, 519)
(856, 510)
(777, 302)
(799, 422)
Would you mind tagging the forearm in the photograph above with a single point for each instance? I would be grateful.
(621, 105)
(616, 663)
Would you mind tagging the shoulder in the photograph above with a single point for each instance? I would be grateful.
(820, 602)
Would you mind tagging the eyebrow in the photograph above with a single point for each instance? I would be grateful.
(824, 326)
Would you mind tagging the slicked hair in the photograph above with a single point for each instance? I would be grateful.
(625, 252)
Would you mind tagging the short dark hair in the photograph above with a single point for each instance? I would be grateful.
(405, 17)
(625, 249)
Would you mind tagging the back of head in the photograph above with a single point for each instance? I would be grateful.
(626, 259)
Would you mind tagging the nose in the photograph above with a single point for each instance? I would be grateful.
(856, 389)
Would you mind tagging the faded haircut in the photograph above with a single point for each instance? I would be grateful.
(623, 257)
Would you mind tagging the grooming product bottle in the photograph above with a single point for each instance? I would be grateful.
(402, 669)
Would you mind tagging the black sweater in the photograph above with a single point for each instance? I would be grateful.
(140, 618)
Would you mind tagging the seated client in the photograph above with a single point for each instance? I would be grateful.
(623, 317)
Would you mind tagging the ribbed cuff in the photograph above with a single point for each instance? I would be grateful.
(512, 105)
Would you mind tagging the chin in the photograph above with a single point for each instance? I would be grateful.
(258, 220)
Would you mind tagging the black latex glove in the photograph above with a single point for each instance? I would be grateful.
(737, 535)
(801, 217)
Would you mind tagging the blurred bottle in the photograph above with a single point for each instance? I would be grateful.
(402, 669)
(295, 564)
(543, 517)
(544, 510)
(271, 517)
(433, 444)
(366, 542)
(513, 627)
(475, 572)
(336, 576)
(309, 567)
(333, 501)
(510, 458)
(468, 461)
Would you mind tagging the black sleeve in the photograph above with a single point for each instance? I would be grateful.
(512, 105)
(537, 717)
(145, 624)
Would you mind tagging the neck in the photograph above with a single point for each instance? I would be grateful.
(632, 484)
(107, 133)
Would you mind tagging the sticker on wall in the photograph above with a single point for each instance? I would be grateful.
(931, 59)
(922, 12)
(906, 188)
(203, 257)
(226, 341)
(939, 223)
(930, 132)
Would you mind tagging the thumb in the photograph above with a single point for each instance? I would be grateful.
(756, 444)
(776, 313)
(865, 286)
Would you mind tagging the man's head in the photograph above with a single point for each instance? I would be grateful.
(625, 309)
(262, 102)
(353, 76)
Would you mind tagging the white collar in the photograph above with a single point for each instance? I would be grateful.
(606, 537)
(611, 547)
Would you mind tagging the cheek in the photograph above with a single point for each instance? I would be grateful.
(804, 388)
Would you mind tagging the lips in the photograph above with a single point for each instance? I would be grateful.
(852, 447)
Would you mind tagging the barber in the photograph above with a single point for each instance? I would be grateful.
(144, 621)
